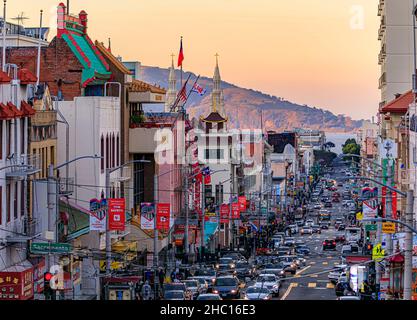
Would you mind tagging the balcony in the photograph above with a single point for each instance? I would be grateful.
(382, 80)
(382, 55)
(24, 165)
(381, 6)
(381, 29)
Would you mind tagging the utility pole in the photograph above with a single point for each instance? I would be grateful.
(408, 254)
(187, 226)
(388, 211)
(51, 211)
(4, 37)
(155, 237)
(203, 216)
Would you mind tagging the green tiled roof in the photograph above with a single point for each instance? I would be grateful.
(79, 219)
(83, 50)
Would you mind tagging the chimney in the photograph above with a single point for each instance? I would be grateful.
(61, 19)
(397, 95)
(83, 19)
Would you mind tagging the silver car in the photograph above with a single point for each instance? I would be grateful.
(258, 293)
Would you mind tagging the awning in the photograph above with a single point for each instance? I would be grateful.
(27, 109)
(398, 258)
(5, 112)
(357, 259)
(16, 112)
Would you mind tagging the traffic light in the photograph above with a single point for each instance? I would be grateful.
(47, 290)
(369, 247)
(367, 236)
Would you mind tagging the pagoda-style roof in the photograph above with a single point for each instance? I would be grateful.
(4, 78)
(26, 77)
(214, 117)
(73, 29)
(109, 55)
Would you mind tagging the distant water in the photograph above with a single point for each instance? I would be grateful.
(339, 139)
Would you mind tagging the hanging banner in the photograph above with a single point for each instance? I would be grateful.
(117, 214)
(235, 210)
(147, 216)
(383, 199)
(242, 203)
(394, 204)
(224, 213)
(98, 210)
(163, 214)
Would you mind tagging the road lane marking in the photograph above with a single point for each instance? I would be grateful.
(294, 284)
(330, 286)
(297, 276)
(335, 263)
(313, 262)
(312, 285)
(314, 276)
(302, 270)
(287, 292)
(325, 263)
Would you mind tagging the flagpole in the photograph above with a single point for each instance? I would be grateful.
(179, 95)
(191, 90)
(181, 63)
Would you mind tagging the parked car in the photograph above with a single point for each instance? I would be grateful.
(329, 244)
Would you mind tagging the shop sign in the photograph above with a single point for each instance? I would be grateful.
(147, 216)
(15, 285)
(38, 274)
(224, 213)
(45, 247)
(235, 211)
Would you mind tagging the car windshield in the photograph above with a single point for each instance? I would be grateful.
(191, 283)
(210, 273)
(226, 282)
(174, 295)
(257, 290)
(242, 265)
(209, 297)
(265, 279)
(287, 259)
(174, 286)
(225, 260)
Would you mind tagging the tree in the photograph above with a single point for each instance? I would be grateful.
(351, 147)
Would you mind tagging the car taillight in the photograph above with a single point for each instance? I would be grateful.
(334, 242)
(324, 243)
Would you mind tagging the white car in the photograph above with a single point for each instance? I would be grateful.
(269, 281)
(335, 274)
(347, 298)
(306, 230)
(258, 293)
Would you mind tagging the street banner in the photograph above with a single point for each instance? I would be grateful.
(224, 213)
(370, 209)
(147, 216)
(235, 211)
(394, 204)
(163, 213)
(383, 199)
(117, 214)
(97, 216)
(242, 203)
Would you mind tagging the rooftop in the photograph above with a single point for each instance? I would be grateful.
(400, 104)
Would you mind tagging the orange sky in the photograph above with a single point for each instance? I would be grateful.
(303, 50)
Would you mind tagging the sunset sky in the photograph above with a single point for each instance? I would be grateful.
(315, 52)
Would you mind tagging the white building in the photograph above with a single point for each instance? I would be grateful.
(396, 54)
(94, 124)
(15, 165)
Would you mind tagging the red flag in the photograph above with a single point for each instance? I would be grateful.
(180, 56)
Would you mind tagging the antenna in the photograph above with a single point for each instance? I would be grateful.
(20, 21)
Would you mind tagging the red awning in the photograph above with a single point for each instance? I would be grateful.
(5, 112)
(4, 78)
(356, 259)
(399, 258)
(16, 112)
(27, 109)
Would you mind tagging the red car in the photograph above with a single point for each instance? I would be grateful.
(340, 238)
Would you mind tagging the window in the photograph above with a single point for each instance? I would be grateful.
(15, 201)
(117, 151)
(113, 151)
(8, 203)
(102, 153)
(22, 136)
(1, 140)
(214, 154)
(22, 200)
(107, 152)
(1, 205)
(9, 139)
(52, 155)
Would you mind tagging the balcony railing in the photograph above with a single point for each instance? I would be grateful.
(381, 6)
(382, 80)
(23, 165)
(381, 29)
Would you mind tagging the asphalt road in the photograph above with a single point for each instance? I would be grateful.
(311, 282)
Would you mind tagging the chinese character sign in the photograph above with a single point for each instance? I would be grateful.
(224, 213)
(242, 203)
(162, 216)
(235, 211)
(117, 215)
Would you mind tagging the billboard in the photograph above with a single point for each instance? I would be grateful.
(147, 216)
(117, 214)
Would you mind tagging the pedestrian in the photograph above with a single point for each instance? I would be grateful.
(146, 291)
(161, 276)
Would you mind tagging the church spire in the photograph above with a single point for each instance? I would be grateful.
(171, 95)
(216, 96)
